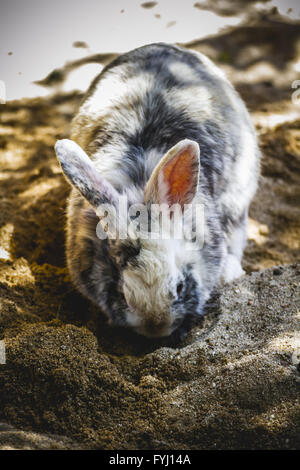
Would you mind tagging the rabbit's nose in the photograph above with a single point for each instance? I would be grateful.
(156, 328)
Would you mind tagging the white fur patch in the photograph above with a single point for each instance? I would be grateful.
(152, 158)
(232, 269)
(115, 88)
(197, 99)
(243, 178)
(209, 65)
(107, 159)
(183, 72)
(237, 241)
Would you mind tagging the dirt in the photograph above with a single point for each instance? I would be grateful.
(70, 381)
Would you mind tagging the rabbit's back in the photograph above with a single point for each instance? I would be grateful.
(147, 100)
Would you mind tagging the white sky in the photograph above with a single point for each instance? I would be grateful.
(40, 34)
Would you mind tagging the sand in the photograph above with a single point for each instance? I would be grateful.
(71, 382)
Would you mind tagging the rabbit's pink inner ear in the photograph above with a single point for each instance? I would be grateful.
(178, 177)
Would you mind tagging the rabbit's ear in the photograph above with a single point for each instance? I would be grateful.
(82, 174)
(175, 178)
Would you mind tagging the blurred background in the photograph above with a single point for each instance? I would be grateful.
(38, 36)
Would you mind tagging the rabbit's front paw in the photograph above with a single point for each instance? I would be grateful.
(232, 269)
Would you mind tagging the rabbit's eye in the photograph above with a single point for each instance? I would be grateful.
(179, 288)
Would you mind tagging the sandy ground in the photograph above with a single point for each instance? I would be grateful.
(69, 380)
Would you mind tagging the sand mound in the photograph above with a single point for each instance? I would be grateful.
(233, 383)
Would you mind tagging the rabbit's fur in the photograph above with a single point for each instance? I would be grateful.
(142, 105)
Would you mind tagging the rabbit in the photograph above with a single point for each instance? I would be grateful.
(160, 125)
